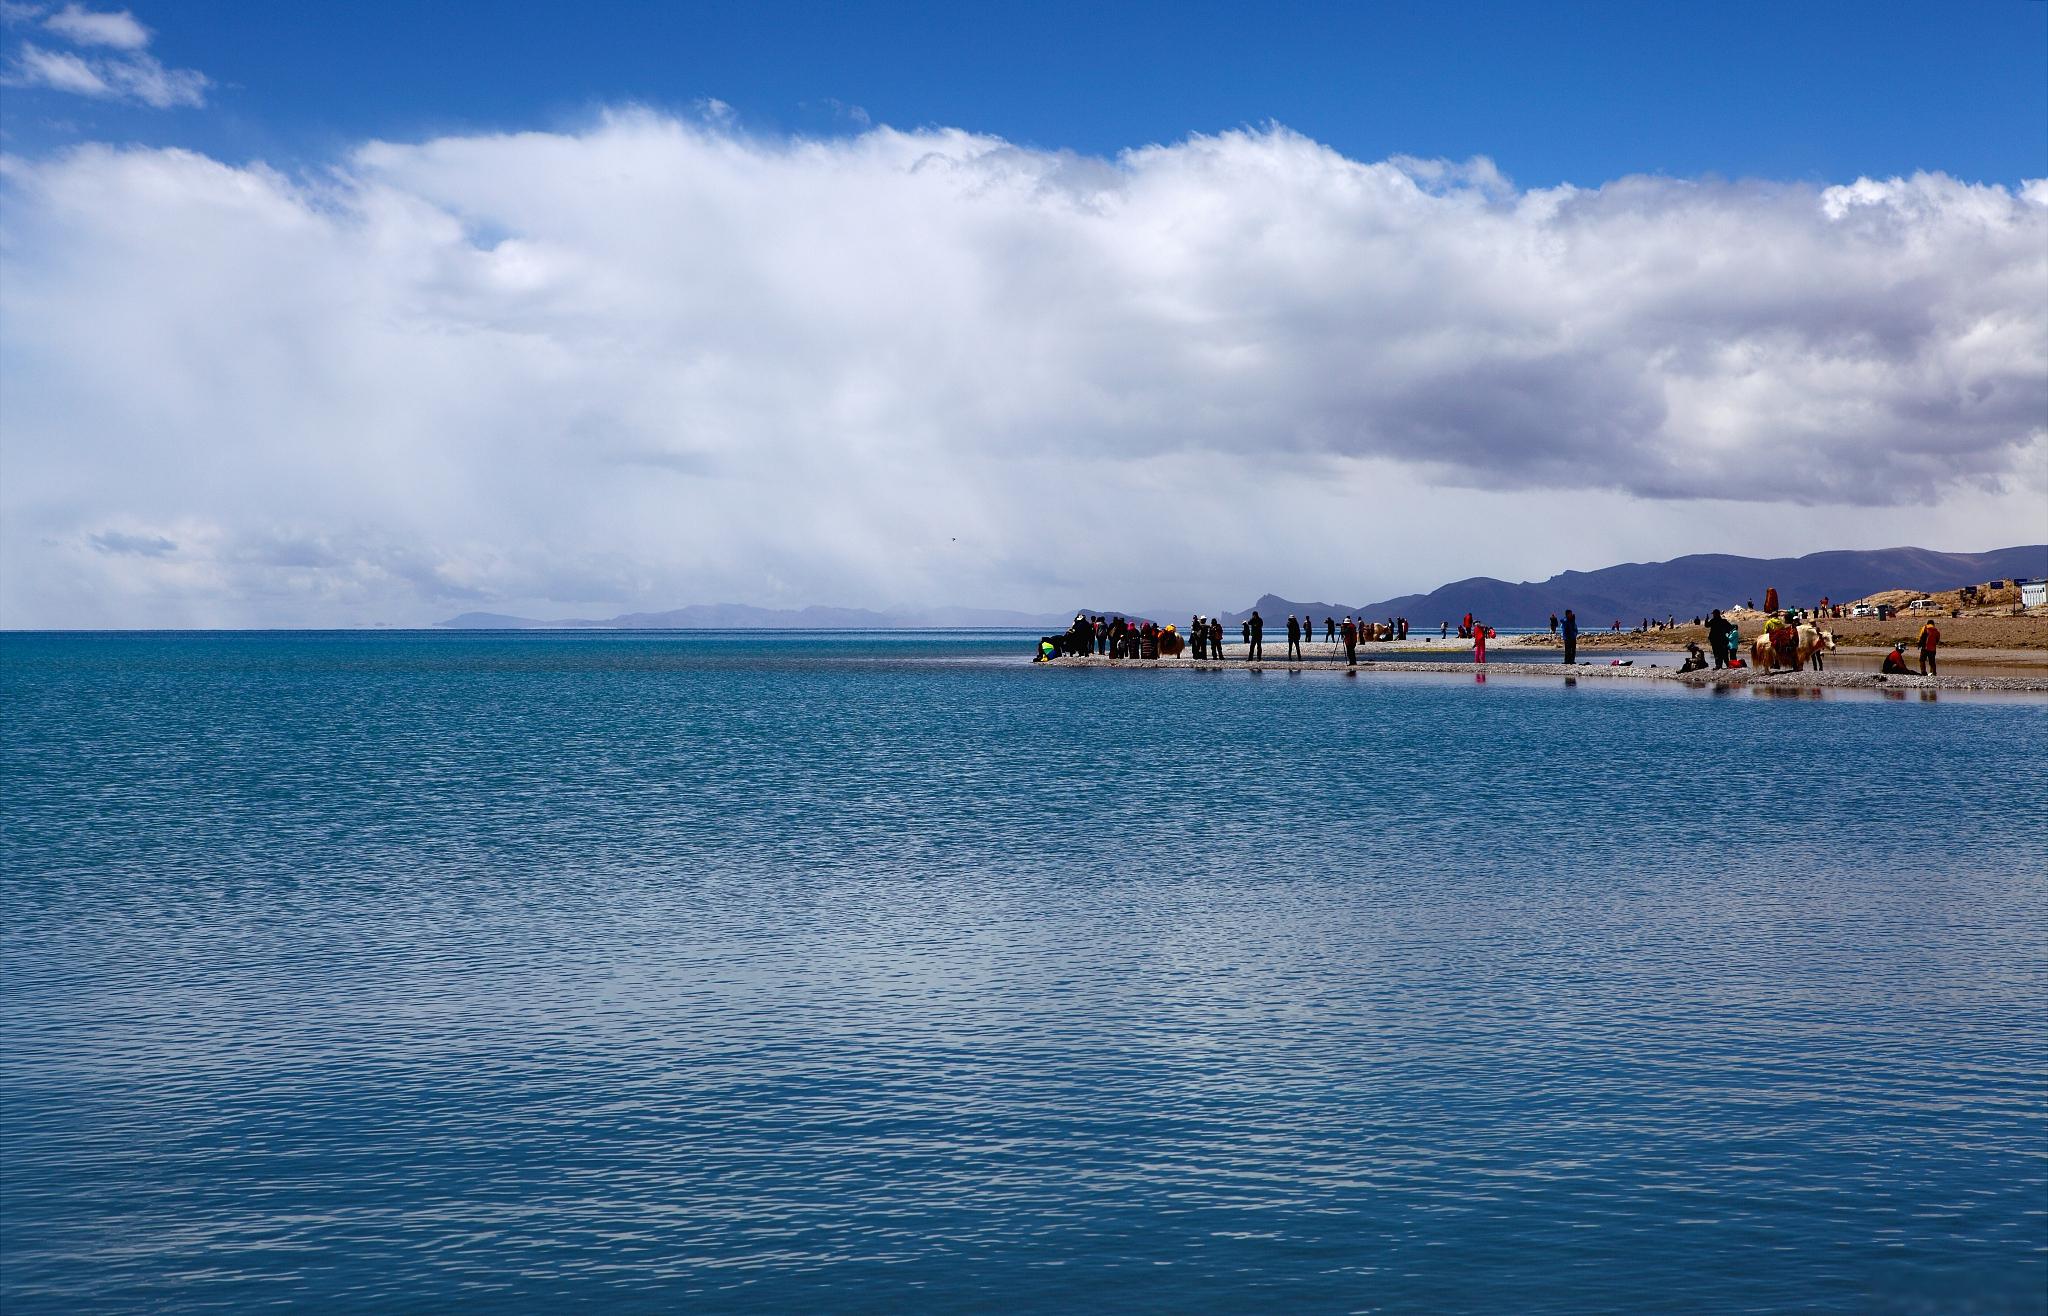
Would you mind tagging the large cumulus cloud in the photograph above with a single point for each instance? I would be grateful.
(662, 361)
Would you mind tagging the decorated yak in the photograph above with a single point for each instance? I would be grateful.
(1790, 648)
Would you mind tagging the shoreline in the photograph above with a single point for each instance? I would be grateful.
(1707, 678)
(2002, 640)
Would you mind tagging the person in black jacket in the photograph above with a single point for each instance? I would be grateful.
(1718, 630)
(1571, 637)
(1255, 631)
(1293, 636)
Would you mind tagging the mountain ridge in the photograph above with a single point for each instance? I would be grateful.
(1685, 586)
(744, 616)
(1628, 591)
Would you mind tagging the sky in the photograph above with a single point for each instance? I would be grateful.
(371, 314)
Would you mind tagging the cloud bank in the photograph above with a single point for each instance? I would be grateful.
(661, 361)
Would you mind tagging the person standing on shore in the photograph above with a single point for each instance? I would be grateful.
(1718, 628)
(1199, 633)
(1350, 642)
(1571, 637)
(1444, 632)
(1215, 637)
(1930, 640)
(1479, 633)
(1255, 637)
(1293, 637)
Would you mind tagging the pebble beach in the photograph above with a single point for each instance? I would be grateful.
(1325, 657)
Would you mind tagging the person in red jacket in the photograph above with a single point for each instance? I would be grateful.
(1479, 634)
(1930, 640)
(1350, 642)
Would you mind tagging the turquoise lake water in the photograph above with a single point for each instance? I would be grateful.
(876, 973)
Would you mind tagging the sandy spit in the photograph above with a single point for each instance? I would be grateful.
(1327, 661)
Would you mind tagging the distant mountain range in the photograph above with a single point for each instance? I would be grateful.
(1684, 586)
(741, 616)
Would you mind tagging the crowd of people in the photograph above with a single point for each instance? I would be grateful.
(1123, 638)
(1119, 637)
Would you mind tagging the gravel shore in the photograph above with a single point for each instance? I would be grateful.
(1330, 658)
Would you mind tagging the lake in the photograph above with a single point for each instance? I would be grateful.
(870, 972)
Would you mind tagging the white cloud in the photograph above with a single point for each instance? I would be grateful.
(661, 362)
(59, 70)
(86, 27)
(138, 77)
(132, 74)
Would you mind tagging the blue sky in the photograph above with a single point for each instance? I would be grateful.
(322, 314)
(1552, 92)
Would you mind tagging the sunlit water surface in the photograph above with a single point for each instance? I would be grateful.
(871, 973)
